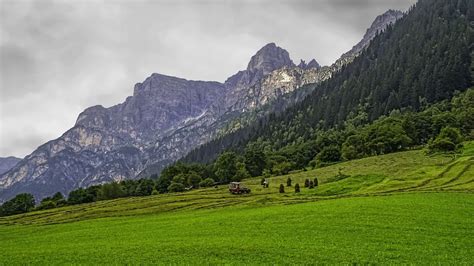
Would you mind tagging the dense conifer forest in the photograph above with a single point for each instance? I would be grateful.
(423, 59)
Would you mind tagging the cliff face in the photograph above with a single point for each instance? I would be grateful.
(7, 163)
(164, 119)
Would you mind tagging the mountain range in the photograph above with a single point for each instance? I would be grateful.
(164, 119)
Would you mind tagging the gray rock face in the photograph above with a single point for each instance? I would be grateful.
(380, 23)
(164, 119)
(312, 64)
(7, 163)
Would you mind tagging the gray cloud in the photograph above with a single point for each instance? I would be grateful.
(59, 57)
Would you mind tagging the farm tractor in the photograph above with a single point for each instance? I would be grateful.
(237, 188)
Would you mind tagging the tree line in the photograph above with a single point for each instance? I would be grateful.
(424, 58)
(440, 127)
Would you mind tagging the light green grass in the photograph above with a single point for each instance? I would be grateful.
(409, 228)
(404, 207)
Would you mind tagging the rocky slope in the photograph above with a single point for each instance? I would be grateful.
(164, 119)
(7, 163)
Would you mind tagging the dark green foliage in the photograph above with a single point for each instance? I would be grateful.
(57, 200)
(208, 182)
(328, 155)
(282, 188)
(225, 167)
(311, 184)
(306, 183)
(297, 188)
(58, 196)
(193, 180)
(288, 182)
(21, 203)
(315, 182)
(255, 159)
(448, 140)
(81, 195)
(282, 168)
(111, 191)
(241, 172)
(162, 184)
(145, 187)
(46, 204)
(176, 187)
(423, 59)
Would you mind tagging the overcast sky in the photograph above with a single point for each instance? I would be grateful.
(59, 57)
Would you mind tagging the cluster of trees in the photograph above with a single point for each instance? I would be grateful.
(441, 127)
(423, 59)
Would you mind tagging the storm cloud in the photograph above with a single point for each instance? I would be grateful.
(59, 57)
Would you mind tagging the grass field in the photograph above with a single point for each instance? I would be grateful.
(399, 208)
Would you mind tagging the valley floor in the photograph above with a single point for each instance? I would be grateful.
(398, 208)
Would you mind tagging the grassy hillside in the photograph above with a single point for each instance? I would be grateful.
(401, 207)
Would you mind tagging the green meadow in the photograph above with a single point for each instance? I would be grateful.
(404, 207)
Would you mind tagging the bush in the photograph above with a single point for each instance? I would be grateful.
(288, 182)
(176, 187)
(448, 140)
(328, 155)
(282, 188)
(282, 168)
(20, 204)
(208, 182)
(194, 179)
(46, 204)
(297, 188)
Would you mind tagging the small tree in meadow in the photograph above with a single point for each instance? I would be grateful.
(288, 182)
(282, 188)
(306, 183)
(297, 188)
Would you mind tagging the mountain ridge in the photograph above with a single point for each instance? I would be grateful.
(155, 126)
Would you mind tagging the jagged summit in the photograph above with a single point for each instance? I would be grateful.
(312, 64)
(380, 24)
(269, 58)
(164, 119)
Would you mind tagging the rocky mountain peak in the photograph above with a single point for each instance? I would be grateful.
(269, 58)
(312, 64)
(380, 23)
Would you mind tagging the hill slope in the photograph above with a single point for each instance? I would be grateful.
(403, 207)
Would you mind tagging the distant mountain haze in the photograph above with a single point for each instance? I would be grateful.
(7, 163)
(164, 119)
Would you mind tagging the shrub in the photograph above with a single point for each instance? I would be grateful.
(46, 204)
(208, 182)
(448, 140)
(282, 168)
(20, 204)
(282, 188)
(288, 182)
(194, 179)
(176, 187)
(328, 155)
(297, 188)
